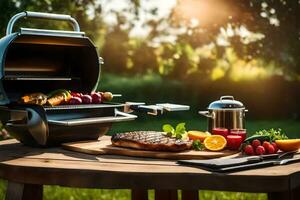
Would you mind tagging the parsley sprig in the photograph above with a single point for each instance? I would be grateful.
(273, 134)
(197, 145)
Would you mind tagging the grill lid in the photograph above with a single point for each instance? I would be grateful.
(38, 60)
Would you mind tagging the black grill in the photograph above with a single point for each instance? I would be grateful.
(36, 60)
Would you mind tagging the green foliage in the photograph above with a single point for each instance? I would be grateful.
(258, 41)
(78, 9)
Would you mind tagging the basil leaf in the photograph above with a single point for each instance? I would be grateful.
(180, 128)
(169, 134)
(168, 128)
(178, 136)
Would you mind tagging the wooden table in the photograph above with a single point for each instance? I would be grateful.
(28, 169)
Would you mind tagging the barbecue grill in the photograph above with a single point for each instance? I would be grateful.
(39, 60)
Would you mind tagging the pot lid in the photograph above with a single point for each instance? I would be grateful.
(226, 102)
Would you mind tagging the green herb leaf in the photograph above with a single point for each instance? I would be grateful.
(197, 145)
(180, 128)
(179, 132)
(169, 134)
(178, 136)
(168, 128)
(273, 134)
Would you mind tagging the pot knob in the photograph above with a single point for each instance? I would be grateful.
(227, 97)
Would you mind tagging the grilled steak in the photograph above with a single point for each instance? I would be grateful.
(150, 140)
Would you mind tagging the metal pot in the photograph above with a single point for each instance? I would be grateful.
(225, 113)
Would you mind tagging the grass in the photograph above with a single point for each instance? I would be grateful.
(143, 123)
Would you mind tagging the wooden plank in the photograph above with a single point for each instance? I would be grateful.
(166, 194)
(89, 147)
(20, 191)
(139, 194)
(103, 146)
(190, 195)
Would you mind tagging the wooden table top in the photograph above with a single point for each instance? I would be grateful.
(55, 166)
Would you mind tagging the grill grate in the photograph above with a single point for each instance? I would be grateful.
(83, 106)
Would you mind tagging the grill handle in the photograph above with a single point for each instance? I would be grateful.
(120, 117)
(40, 15)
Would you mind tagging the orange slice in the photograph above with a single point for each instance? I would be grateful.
(198, 135)
(215, 143)
(288, 145)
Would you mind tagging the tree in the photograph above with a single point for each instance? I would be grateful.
(76, 8)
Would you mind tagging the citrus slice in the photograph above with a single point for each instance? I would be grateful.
(215, 143)
(198, 135)
(288, 145)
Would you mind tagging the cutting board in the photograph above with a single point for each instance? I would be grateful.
(103, 147)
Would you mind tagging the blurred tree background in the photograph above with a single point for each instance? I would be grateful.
(195, 51)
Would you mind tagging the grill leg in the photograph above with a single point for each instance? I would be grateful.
(20, 191)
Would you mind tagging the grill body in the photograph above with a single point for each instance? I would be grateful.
(38, 60)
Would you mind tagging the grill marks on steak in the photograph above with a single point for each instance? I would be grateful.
(150, 140)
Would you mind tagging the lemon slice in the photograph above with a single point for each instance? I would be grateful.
(288, 145)
(215, 142)
(198, 135)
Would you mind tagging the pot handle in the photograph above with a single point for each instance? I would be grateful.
(41, 15)
(227, 97)
(206, 114)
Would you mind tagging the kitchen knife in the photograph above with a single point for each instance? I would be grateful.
(258, 165)
(220, 163)
(229, 162)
